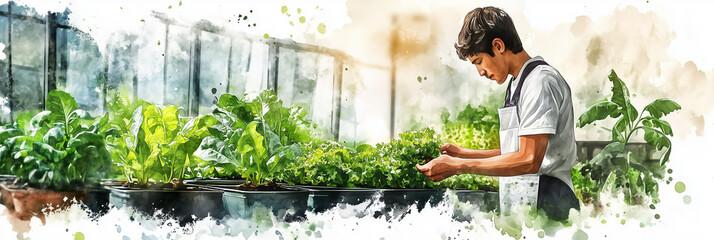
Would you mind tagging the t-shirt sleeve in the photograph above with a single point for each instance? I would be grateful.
(538, 105)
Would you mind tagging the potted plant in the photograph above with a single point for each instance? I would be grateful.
(616, 166)
(155, 157)
(332, 170)
(61, 154)
(325, 170)
(256, 139)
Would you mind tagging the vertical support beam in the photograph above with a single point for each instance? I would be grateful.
(135, 69)
(61, 56)
(50, 81)
(106, 79)
(273, 60)
(393, 76)
(337, 96)
(195, 75)
(230, 62)
(11, 84)
(166, 55)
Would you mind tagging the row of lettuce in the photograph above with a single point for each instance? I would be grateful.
(259, 139)
(254, 137)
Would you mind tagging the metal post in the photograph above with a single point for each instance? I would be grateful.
(230, 62)
(166, 55)
(393, 75)
(337, 97)
(50, 81)
(135, 70)
(106, 79)
(195, 74)
(11, 90)
(273, 52)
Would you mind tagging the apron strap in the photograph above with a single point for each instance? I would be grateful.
(513, 101)
(555, 198)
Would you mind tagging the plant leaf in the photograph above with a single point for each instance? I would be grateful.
(598, 111)
(661, 107)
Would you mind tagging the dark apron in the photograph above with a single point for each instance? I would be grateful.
(555, 197)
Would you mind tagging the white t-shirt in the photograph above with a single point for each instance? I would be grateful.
(546, 107)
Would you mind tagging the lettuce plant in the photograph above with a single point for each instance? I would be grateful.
(254, 138)
(61, 149)
(161, 146)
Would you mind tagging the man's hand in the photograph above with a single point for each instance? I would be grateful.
(440, 168)
(451, 150)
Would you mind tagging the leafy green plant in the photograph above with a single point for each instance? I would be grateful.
(160, 145)
(386, 165)
(61, 149)
(635, 174)
(254, 138)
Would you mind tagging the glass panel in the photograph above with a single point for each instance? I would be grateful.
(178, 63)
(310, 85)
(3, 7)
(28, 44)
(364, 115)
(321, 99)
(122, 67)
(151, 45)
(257, 68)
(287, 72)
(240, 60)
(85, 70)
(4, 77)
(215, 51)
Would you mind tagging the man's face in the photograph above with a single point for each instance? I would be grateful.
(493, 68)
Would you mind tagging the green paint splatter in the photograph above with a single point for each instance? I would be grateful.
(245, 18)
(321, 28)
(679, 187)
(669, 171)
(78, 236)
(623, 221)
(687, 199)
(419, 79)
(652, 206)
(617, 215)
(541, 234)
(169, 6)
(284, 9)
(603, 221)
(580, 235)
(302, 19)
(266, 35)
(180, 3)
(642, 225)
(657, 216)
(299, 10)
(346, 69)
(142, 20)
(291, 23)
(159, 43)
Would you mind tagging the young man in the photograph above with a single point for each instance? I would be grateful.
(537, 143)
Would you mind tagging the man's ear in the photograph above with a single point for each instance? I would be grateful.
(498, 45)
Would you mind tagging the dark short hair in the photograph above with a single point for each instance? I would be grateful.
(481, 26)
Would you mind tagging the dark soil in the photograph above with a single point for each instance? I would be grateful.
(175, 184)
(270, 186)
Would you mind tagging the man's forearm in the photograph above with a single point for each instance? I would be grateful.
(511, 164)
(478, 153)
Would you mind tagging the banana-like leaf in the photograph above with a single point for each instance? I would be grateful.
(662, 107)
(599, 111)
